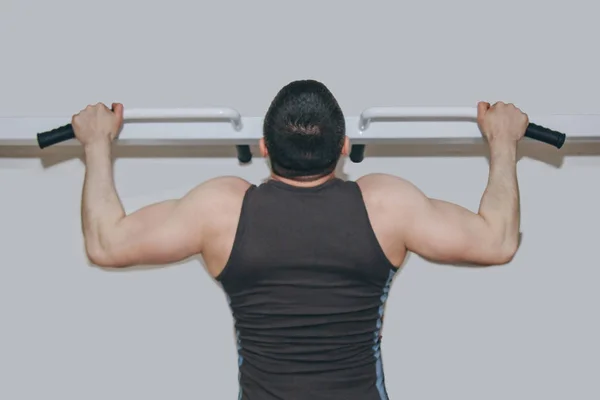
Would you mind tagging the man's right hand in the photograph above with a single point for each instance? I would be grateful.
(501, 123)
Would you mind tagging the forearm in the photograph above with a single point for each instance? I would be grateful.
(500, 202)
(101, 207)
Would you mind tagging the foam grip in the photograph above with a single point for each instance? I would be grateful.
(244, 154)
(357, 153)
(537, 132)
(55, 136)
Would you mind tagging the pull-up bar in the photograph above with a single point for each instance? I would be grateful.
(536, 132)
(204, 126)
(65, 132)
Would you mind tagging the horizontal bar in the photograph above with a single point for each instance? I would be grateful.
(425, 113)
(534, 131)
(184, 114)
(21, 131)
(65, 132)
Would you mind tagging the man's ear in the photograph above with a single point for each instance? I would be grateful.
(263, 148)
(346, 147)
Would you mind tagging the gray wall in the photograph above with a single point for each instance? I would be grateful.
(527, 330)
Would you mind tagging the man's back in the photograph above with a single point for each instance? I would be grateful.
(307, 281)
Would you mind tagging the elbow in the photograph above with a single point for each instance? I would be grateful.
(506, 252)
(101, 257)
(506, 255)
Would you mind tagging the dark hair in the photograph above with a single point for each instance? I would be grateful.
(304, 131)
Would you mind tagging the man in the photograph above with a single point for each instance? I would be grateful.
(306, 259)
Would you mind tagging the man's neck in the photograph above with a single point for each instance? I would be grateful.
(306, 182)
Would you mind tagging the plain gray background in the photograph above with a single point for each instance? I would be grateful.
(68, 330)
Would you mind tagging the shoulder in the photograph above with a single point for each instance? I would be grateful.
(216, 203)
(387, 186)
(389, 201)
(226, 183)
(392, 196)
(221, 188)
(216, 195)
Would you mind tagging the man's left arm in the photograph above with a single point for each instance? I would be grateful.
(160, 233)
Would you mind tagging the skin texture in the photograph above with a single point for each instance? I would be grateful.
(204, 221)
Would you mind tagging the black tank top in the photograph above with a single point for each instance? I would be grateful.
(307, 282)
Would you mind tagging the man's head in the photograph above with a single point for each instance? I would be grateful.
(304, 131)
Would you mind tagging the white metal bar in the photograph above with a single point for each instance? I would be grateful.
(182, 114)
(198, 129)
(397, 113)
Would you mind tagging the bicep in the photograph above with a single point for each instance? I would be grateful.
(434, 229)
(172, 230)
(446, 232)
(160, 233)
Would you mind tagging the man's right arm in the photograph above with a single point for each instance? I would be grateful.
(448, 233)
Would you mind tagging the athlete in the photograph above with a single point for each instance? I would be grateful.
(305, 258)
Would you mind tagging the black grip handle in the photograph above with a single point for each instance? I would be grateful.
(543, 134)
(55, 136)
